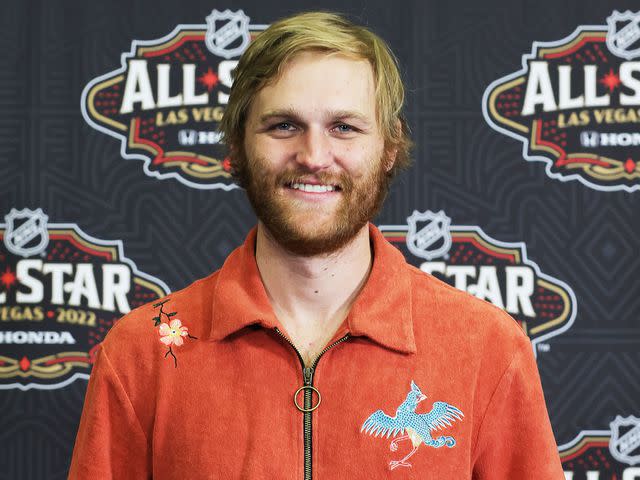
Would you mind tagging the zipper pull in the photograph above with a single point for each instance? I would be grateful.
(308, 372)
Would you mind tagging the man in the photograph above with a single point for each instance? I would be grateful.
(316, 351)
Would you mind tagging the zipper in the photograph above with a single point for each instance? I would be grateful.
(307, 378)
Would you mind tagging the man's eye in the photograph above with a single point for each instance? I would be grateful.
(343, 128)
(282, 126)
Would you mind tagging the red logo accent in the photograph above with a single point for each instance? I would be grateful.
(24, 364)
(629, 165)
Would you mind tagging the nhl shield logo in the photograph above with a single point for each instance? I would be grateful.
(428, 236)
(26, 233)
(625, 439)
(623, 35)
(227, 33)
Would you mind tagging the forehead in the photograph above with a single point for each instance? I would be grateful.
(313, 82)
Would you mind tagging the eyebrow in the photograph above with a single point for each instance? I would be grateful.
(296, 115)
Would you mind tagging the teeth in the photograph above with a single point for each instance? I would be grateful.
(305, 187)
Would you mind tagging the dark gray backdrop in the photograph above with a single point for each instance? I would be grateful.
(450, 52)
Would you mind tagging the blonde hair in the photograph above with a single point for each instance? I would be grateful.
(266, 56)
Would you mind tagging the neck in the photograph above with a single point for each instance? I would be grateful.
(311, 296)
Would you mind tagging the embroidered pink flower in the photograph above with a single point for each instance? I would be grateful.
(173, 333)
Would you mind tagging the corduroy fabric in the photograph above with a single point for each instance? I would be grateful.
(226, 411)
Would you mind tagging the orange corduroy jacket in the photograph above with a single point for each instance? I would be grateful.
(417, 366)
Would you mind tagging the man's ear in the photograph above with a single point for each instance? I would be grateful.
(392, 150)
(390, 158)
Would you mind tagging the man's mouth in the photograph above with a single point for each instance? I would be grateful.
(313, 187)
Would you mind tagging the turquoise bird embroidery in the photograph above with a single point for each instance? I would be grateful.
(416, 427)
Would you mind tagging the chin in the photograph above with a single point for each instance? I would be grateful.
(313, 239)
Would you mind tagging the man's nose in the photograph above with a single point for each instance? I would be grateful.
(314, 150)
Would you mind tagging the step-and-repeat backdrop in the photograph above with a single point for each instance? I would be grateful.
(115, 190)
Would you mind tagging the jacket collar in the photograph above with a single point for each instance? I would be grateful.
(382, 311)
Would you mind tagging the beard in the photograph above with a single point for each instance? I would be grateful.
(294, 223)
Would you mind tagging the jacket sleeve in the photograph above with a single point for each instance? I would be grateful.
(110, 443)
(515, 439)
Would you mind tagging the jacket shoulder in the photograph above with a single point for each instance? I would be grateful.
(138, 328)
(458, 313)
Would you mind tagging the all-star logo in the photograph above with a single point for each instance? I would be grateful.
(166, 100)
(574, 104)
(495, 271)
(590, 455)
(58, 299)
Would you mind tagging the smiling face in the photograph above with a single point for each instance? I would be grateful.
(315, 168)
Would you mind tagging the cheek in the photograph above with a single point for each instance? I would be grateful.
(274, 150)
(359, 158)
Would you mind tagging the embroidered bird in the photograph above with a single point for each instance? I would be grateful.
(416, 427)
